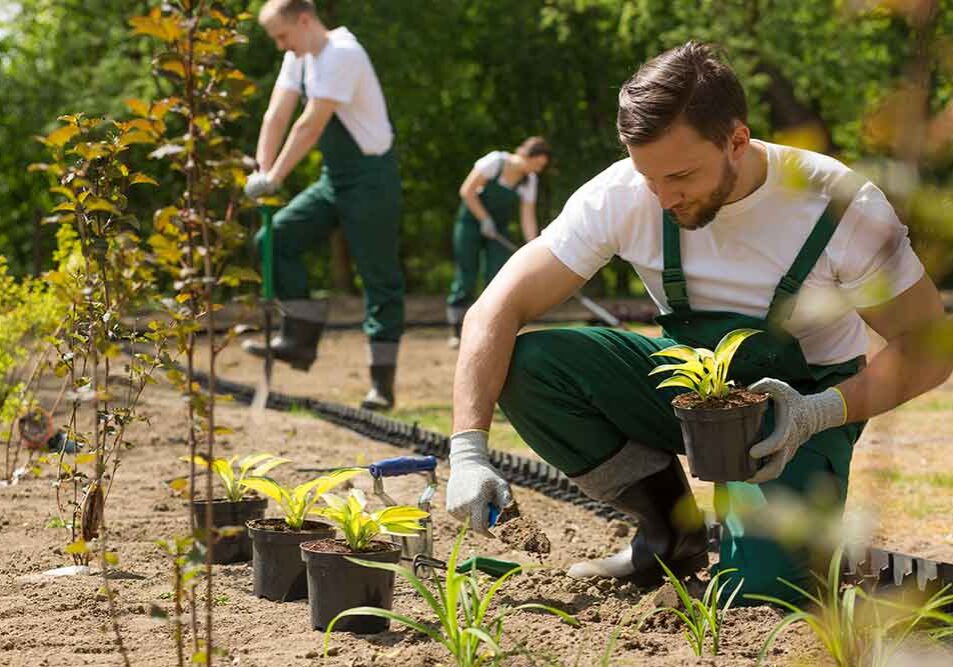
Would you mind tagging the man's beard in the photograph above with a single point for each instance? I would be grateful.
(713, 203)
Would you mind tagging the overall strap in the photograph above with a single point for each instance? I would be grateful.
(782, 303)
(673, 278)
(499, 175)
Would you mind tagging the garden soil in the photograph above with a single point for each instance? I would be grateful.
(899, 470)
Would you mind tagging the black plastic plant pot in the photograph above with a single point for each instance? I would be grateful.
(278, 571)
(231, 548)
(336, 584)
(717, 439)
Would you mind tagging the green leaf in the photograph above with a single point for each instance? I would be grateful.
(677, 381)
(139, 177)
(727, 347)
(683, 352)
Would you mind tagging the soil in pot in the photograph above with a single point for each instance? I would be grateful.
(718, 432)
(279, 573)
(230, 548)
(336, 584)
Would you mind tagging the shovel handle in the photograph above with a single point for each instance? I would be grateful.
(267, 251)
(402, 465)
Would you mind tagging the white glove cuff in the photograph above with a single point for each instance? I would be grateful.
(470, 446)
(832, 408)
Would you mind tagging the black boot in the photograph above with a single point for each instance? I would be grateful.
(670, 526)
(297, 339)
(381, 395)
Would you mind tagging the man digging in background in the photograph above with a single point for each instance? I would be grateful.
(737, 225)
(359, 188)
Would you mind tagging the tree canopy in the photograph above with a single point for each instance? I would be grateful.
(463, 77)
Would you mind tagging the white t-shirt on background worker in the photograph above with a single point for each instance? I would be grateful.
(735, 263)
(343, 72)
(489, 167)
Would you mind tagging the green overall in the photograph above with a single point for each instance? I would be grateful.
(469, 245)
(362, 194)
(576, 396)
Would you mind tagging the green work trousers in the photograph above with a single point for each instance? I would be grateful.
(367, 206)
(576, 396)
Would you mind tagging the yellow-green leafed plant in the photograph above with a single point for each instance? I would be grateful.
(232, 471)
(860, 628)
(360, 526)
(298, 502)
(702, 617)
(703, 371)
(464, 623)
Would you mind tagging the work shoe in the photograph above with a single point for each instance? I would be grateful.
(670, 526)
(381, 395)
(297, 340)
(456, 331)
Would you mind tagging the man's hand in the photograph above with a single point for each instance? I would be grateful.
(796, 419)
(488, 228)
(259, 185)
(474, 483)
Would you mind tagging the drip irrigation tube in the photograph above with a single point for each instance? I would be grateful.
(880, 566)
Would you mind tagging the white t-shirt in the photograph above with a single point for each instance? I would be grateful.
(490, 165)
(343, 72)
(735, 263)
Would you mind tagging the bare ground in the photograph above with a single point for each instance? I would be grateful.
(900, 473)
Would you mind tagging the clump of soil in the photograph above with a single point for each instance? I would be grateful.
(279, 526)
(736, 398)
(332, 546)
(522, 532)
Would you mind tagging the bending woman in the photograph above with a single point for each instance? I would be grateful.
(499, 186)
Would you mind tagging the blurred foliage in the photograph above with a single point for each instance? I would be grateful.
(463, 77)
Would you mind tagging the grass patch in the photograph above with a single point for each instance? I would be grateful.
(939, 402)
(438, 417)
(938, 479)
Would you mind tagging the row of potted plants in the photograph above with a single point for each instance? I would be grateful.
(294, 556)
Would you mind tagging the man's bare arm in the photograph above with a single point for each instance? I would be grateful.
(914, 359)
(531, 282)
(304, 134)
(275, 123)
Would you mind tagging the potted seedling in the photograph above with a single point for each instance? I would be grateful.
(335, 582)
(229, 514)
(720, 422)
(279, 572)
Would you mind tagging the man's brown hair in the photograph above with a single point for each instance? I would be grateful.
(691, 83)
(289, 9)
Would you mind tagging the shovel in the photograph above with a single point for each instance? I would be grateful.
(260, 399)
(584, 301)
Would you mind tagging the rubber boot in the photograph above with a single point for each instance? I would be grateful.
(456, 331)
(297, 340)
(670, 526)
(381, 395)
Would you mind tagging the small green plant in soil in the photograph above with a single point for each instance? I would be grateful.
(232, 471)
(359, 526)
(297, 502)
(701, 370)
(463, 623)
(860, 628)
(702, 617)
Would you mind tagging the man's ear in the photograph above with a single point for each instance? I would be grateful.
(739, 140)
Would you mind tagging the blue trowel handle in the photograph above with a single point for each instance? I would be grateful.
(402, 465)
(494, 514)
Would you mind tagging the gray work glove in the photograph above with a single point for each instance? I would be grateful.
(488, 228)
(259, 185)
(474, 483)
(796, 419)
